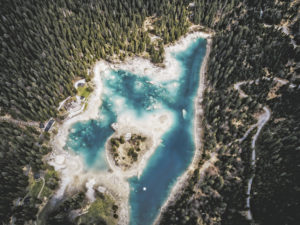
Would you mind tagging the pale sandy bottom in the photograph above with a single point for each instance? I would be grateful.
(198, 132)
(73, 172)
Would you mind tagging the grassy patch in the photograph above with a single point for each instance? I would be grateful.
(84, 91)
(85, 106)
(35, 187)
(51, 182)
(46, 193)
(51, 173)
(100, 210)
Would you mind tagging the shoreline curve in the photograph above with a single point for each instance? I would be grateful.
(181, 181)
(71, 166)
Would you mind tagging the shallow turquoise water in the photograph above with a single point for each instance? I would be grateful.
(137, 97)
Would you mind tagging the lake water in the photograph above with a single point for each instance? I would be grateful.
(124, 92)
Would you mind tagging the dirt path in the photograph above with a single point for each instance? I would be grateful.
(19, 122)
(42, 188)
(262, 120)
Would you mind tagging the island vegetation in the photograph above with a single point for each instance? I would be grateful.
(45, 46)
(127, 149)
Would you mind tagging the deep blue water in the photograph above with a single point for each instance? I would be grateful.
(126, 92)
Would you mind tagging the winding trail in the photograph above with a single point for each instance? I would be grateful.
(19, 122)
(61, 104)
(209, 163)
(262, 120)
(237, 86)
(42, 188)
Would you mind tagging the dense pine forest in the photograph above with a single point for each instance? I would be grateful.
(255, 41)
(46, 45)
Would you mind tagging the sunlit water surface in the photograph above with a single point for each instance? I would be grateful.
(124, 92)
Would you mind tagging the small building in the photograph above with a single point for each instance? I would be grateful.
(49, 125)
(80, 85)
(36, 176)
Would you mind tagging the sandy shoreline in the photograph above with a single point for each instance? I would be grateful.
(171, 69)
(71, 166)
(198, 132)
(153, 129)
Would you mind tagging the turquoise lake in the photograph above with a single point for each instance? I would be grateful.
(139, 96)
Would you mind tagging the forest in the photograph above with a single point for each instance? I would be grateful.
(22, 150)
(46, 45)
(251, 44)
